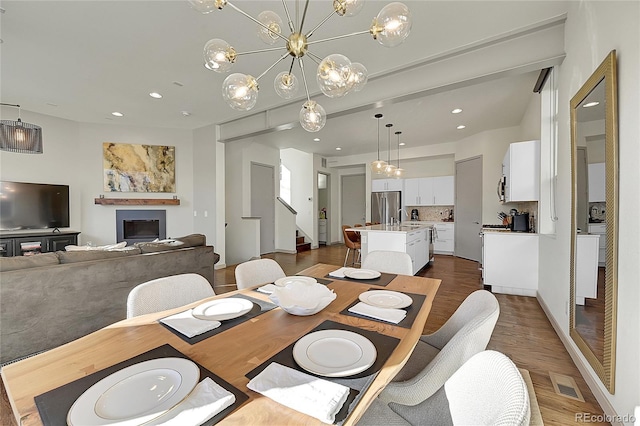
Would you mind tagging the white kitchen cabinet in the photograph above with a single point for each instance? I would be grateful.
(586, 267)
(322, 230)
(444, 238)
(597, 183)
(521, 171)
(601, 230)
(510, 262)
(430, 191)
(392, 238)
(381, 185)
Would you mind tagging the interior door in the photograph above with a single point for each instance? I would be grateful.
(263, 204)
(353, 200)
(468, 208)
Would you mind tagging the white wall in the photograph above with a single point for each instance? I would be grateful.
(73, 156)
(592, 30)
(302, 188)
(205, 182)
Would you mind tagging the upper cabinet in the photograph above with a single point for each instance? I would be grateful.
(521, 172)
(431, 191)
(381, 185)
(597, 183)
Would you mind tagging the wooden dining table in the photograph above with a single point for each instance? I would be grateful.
(230, 354)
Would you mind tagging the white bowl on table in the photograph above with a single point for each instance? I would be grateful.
(302, 298)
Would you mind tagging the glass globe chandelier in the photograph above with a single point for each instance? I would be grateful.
(389, 169)
(398, 172)
(379, 165)
(336, 75)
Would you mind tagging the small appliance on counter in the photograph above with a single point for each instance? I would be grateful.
(414, 214)
(520, 222)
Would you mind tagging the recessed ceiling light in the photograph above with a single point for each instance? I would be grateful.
(52, 104)
(155, 95)
(316, 139)
(456, 111)
(338, 149)
(117, 114)
(590, 104)
(185, 113)
(402, 144)
(460, 127)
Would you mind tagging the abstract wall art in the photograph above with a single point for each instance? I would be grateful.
(138, 168)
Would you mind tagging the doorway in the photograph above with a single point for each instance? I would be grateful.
(353, 200)
(324, 207)
(263, 204)
(468, 244)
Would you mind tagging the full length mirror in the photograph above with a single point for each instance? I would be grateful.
(594, 209)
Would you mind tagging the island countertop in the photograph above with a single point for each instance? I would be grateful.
(404, 227)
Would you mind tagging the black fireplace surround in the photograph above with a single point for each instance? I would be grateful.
(135, 226)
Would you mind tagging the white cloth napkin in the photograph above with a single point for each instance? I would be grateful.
(187, 324)
(385, 314)
(310, 395)
(205, 401)
(266, 289)
(339, 273)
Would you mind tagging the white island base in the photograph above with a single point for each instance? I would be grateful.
(412, 239)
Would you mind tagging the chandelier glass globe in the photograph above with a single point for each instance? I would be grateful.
(286, 85)
(203, 6)
(272, 21)
(348, 7)
(333, 75)
(219, 56)
(394, 20)
(240, 91)
(358, 77)
(312, 116)
(390, 170)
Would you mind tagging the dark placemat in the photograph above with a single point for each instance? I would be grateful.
(358, 383)
(383, 280)
(259, 307)
(55, 404)
(407, 322)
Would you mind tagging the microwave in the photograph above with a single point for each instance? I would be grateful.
(501, 189)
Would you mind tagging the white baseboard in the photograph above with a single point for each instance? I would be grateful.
(583, 367)
(286, 251)
(219, 266)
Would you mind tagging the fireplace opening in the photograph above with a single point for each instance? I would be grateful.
(135, 226)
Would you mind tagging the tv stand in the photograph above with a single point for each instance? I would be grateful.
(27, 244)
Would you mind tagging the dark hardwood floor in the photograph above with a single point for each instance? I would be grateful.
(522, 332)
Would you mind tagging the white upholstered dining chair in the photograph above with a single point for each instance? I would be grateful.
(438, 355)
(167, 293)
(259, 271)
(487, 390)
(391, 262)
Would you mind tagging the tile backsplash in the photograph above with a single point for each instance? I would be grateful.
(431, 213)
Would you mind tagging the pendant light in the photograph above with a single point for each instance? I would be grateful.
(17, 136)
(379, 165)
(390, 168)
(398, 172)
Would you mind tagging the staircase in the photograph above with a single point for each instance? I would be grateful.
(301, 245)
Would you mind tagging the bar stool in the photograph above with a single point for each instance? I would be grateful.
(351, 241)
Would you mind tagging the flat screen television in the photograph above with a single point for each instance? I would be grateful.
(33, 206)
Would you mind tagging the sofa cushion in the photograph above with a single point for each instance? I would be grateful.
(23, 262)
(192, 240)
(86, 248)
(87, 255)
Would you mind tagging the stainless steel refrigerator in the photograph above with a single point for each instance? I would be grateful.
(385, 206)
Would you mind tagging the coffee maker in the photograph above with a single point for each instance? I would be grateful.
(414, 214)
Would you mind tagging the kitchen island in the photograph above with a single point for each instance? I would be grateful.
(413, 238)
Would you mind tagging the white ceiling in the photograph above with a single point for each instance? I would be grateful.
(82, 60)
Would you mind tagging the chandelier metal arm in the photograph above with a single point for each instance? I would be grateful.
(314, 57)
(338, 37)
(304, 79)
(289, 20)
(282, 58)
(304, 15)
(293, 61)
(242, 12)
(310, 33)
(268, 49)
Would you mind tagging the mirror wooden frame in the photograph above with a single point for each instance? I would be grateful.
(605, 367)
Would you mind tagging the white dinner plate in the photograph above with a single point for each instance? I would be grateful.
(136, 394)
(281, 282)
(334, 353)
(361, 274)
(222, 309)
(386, 299)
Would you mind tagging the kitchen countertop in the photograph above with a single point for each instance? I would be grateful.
(404, 227)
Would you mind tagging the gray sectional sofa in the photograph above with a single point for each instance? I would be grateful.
(50, 299)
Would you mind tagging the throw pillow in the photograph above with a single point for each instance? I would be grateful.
(106, 247)
(88, 255)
